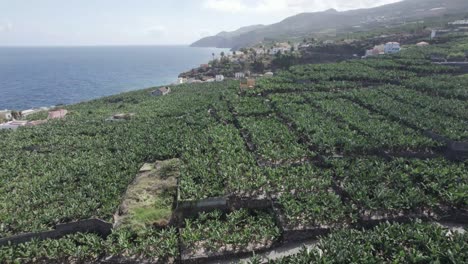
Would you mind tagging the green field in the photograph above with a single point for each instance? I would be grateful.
(332, 146)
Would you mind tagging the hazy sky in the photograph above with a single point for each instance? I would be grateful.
(147, 22)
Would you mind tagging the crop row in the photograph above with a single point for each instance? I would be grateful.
(274, 142)
(421, 118)
(146, 245)
(380, 132)
(216, 233)
(367, 189)
(78, 168)
(440, 86)
(416, 242)
(450, 107)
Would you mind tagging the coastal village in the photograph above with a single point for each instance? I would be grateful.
(264, 59)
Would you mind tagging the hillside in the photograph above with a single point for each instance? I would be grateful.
(332, 21)
(223, 39)
(361, 151)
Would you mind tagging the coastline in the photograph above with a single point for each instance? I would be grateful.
(33, 77)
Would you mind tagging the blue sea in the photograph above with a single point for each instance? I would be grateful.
(45, 76)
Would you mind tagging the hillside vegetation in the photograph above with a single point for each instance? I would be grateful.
(335, 147)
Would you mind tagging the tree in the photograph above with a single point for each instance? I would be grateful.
(258, 66)
(284, 61)
(222, 54)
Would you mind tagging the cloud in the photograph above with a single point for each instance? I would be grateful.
(6, 26)
(289, 6)
(157, 31)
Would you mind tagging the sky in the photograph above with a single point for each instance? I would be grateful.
(144, 22)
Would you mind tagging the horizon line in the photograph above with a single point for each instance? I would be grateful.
(93, 45)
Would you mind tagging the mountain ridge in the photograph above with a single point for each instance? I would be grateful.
(333, 21)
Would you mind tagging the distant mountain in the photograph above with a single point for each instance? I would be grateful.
(332, 21)
(224, 39)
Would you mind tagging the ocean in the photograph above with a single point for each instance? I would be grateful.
(44, 76)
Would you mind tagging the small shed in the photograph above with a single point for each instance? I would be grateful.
(161, 91)
(57, 114)
(392, 47)
(247, 84)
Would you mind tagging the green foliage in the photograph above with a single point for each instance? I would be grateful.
(150, 245)
(306, 137)
(284, 61)
(387, 243)
(458, 56)
(213, 232)
(273, 139)
(38, 116)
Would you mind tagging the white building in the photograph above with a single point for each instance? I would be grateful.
(459, 22)
(181, 80)
(283, 50)
(392, 48)
(239, 75)
(219, 78)
(6, 115)
(259, 51)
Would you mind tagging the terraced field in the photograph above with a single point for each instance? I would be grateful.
(343, 153)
